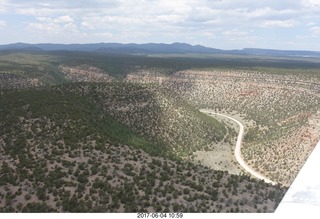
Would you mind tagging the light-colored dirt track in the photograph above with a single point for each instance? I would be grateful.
(237, 151)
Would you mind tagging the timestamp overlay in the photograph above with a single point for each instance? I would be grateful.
(194, 215)
(139, 215)
(197, 215)
(160, 215)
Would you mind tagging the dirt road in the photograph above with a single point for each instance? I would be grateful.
(237, 151)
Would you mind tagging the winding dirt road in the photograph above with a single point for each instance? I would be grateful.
(237, 151)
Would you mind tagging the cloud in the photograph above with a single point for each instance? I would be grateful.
(234, 33)
(109, 21)
(311, 4)
(35, 11)
(171, 18)
(3, 24)
(252, 4)
(88, 25)
(229, 21)
(267, 12)
(104, 35)
(60, 19)
(209, 35)
(315, 30)
(278, 23)
(56, 32)
(58, 7)
(63, 19)
(61, 25)
(3, 6)
(238, 35)
(311, 23)
(182, 13)
(44, 27)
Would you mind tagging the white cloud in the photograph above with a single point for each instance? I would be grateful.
(45, 27)
(88, 25)
(311, 23)
(311, 4)
(60, 19)
(238, 35)
(58, 26)
(227, 21)
(70, 27)
(171, 18)
(104, 35)
(3, 6)
(177, 6)
(44, 19)
(35, 11)
(57, 32)
(268, 12)
(315, 30)
(278, 23)
(60, 7)
(2, 24)
(209, 35)
(63, 19)
(100, 22)
(234, 33)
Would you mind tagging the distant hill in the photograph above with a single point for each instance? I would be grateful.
(273, 52)
(132, 48)
(154, 48)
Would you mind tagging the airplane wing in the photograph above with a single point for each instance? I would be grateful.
(303, 196)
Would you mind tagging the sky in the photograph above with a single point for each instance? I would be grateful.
(223, 24)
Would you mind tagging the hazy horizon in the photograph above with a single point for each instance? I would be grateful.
(96, 43)
(222, 24)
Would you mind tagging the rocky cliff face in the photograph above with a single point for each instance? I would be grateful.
(84, 73)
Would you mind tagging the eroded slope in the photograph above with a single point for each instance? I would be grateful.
(283, 110)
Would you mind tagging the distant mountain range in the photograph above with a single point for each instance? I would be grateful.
(153, 48)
